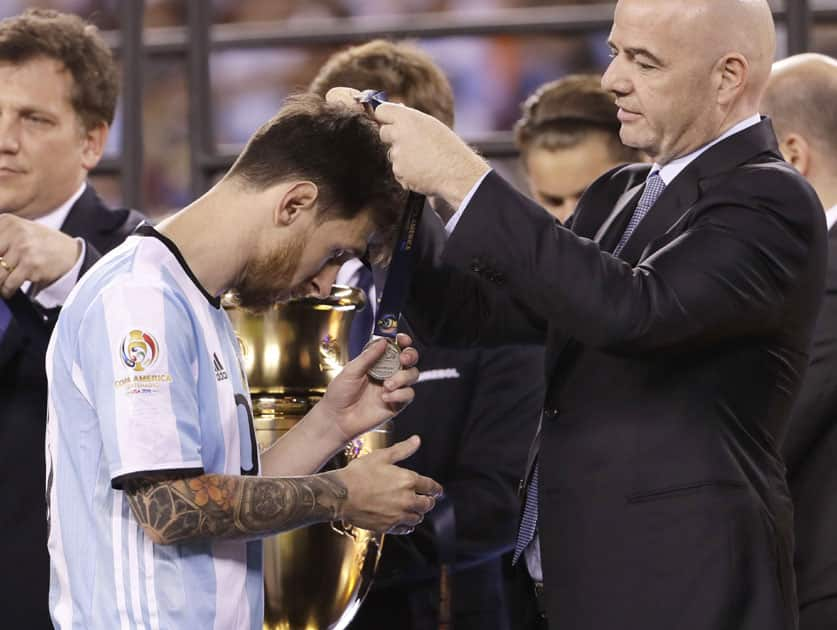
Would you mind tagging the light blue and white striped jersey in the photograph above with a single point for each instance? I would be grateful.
(144, 375)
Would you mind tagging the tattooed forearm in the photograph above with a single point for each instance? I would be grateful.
(231, 507)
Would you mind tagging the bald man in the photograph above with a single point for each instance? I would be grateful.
(677, 314)
(800, 98)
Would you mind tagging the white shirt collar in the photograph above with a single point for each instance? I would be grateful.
(831, 217)
(675, 167)
(56, 218)
(349, 272)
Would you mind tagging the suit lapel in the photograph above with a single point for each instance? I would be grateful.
(675, 200)
(89, 217)
(683, 193)
(627, 202)
(685, 190)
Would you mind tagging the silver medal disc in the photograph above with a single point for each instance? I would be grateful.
(388, 364)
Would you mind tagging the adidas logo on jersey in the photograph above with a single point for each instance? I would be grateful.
(220, 372)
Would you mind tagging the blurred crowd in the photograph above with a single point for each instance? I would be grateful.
(491, 76)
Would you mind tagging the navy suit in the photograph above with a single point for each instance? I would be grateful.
(24, 576)
(810, 451)
(671, 371)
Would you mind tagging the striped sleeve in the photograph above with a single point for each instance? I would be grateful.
(137, 359)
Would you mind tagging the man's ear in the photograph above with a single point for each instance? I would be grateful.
(796, 150)
(734, 71)
(296, 200)
(93, 146)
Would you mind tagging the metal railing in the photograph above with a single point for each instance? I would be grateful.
(199, 38)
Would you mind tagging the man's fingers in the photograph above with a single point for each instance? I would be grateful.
(409, 358)
(423, 504)
(13, 280)
(404, 340)
(401, 450)
(412, 519)
(400, 397)
(426, 485)
(345, 96)
(402, 378)
(388, 113)
(387, 137)
(363, 362)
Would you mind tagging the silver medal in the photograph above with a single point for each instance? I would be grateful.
(388, 364)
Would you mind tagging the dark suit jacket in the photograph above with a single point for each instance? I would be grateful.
(810, 452)
(24, 576)
(670, 372)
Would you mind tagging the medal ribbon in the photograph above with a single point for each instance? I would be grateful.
(400, 271)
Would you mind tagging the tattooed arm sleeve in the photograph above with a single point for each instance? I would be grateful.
(231, 507)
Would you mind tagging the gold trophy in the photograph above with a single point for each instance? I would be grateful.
(315, 577)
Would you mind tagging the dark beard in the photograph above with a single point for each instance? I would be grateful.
(266, 281)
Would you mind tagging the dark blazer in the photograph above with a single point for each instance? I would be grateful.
(810, 452)
(24, 576)
(670, 372)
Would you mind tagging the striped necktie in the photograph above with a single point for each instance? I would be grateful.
(5, 318)
(654, 187)
(529, 520)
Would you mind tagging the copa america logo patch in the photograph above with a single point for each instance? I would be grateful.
(139, 350)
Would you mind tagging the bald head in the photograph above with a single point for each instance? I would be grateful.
(701, 64)
(801, 97)
(712, 29)
(735, 27)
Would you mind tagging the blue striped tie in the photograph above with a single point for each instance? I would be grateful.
(5, 318)
(529, 521)
(654, 187)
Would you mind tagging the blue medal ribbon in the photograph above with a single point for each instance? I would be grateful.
(401, 266)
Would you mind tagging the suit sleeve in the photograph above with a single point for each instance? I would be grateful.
(725, 275)
(815, 410)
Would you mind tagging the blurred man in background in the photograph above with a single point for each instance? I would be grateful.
(801, 99)
(475, 411)
(57, 102)
(568, 136)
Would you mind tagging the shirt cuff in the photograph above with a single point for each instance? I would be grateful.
(56, 293)
(452, 222)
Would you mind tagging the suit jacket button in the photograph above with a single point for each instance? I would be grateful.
(551, 413)
(476, 265)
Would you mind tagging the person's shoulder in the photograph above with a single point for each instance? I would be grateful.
(128, 276)
(773, 184)
(108, 219)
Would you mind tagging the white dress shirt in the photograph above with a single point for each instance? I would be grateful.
(348, 274)
(831, 217)
(56, 293)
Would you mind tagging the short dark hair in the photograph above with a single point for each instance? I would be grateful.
(78, 46)
(402, 70)
(562, 114)
(337, 148)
